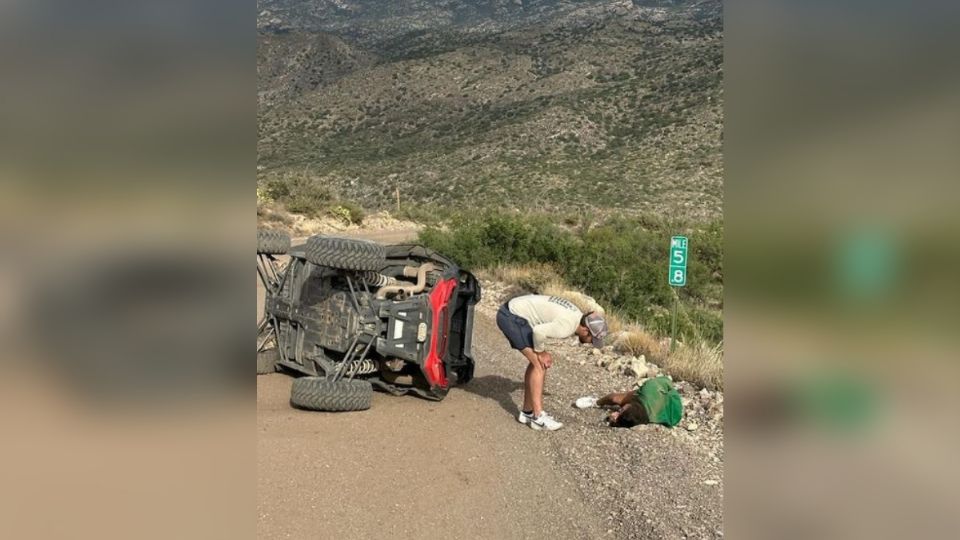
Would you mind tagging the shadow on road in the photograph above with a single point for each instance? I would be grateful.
(496, 388)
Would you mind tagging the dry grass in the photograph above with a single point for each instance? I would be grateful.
(636, 341)
(700, 364)
(615, 322)
(582, 301)
(273, 213)
(530, 278)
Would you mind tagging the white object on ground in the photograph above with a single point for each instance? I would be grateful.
(586, 402)
(545, 422)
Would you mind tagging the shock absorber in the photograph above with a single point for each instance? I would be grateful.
(364, 367)
(375, 279)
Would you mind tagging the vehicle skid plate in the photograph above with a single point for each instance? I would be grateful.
(406, 328)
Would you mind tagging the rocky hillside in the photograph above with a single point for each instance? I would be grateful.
(290, 64)
(374, 20)
(521, 103)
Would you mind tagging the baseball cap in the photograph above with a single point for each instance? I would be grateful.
(597, 326)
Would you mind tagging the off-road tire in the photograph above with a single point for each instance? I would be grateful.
(267, 361)
(320, 394)
(345, 253)
(464, 373)
(272, 242)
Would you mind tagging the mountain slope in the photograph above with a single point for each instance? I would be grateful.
(292, 63)
(374, 20)
(598, 104)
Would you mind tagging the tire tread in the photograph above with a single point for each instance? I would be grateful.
(267, 361)
(345, 253)
(270, 242)
(320, 394)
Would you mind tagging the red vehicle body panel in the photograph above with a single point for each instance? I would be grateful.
(439, 300)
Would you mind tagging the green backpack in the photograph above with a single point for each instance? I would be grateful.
(661, 400)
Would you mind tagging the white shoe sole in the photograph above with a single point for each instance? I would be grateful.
(539, 427)
(585, 404)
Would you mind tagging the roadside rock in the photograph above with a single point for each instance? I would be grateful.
(637, 372)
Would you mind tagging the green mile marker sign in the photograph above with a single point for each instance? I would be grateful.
(678, 261)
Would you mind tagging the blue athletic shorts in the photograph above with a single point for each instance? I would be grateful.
(515, 328)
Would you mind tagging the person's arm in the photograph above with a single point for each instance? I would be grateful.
(617, 399)
(542, 359)
(546, 359)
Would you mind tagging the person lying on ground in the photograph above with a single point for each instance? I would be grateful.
(655, 402)
(527, 322)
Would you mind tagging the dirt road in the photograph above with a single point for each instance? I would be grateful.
(464, 468)
(411, 468)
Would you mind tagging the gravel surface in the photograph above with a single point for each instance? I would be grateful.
(645, 482)
(465, 468)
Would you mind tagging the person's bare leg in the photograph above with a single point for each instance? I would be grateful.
(527, 396)
(617, 398)
(537, 375)
(533, 383)
(543, 386)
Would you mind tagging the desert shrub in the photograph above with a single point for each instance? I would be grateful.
(490, 239)
(621, 262)
(349, 212)
(301, 194)
(263, 197)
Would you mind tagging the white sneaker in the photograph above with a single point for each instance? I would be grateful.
(545, 421)
(524, 418)
(586, 402)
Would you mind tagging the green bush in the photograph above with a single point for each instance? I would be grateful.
(300, 194)
(490, 239)
(349, 212)
(622, 262)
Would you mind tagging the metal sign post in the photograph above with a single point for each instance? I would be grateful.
(677, 278)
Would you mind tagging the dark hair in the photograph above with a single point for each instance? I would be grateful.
(631, 415)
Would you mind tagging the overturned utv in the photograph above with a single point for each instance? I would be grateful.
(348, 315)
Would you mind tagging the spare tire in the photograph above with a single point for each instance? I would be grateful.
(267, 361)
(345, 253)
(272, 242)
(320, 394)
